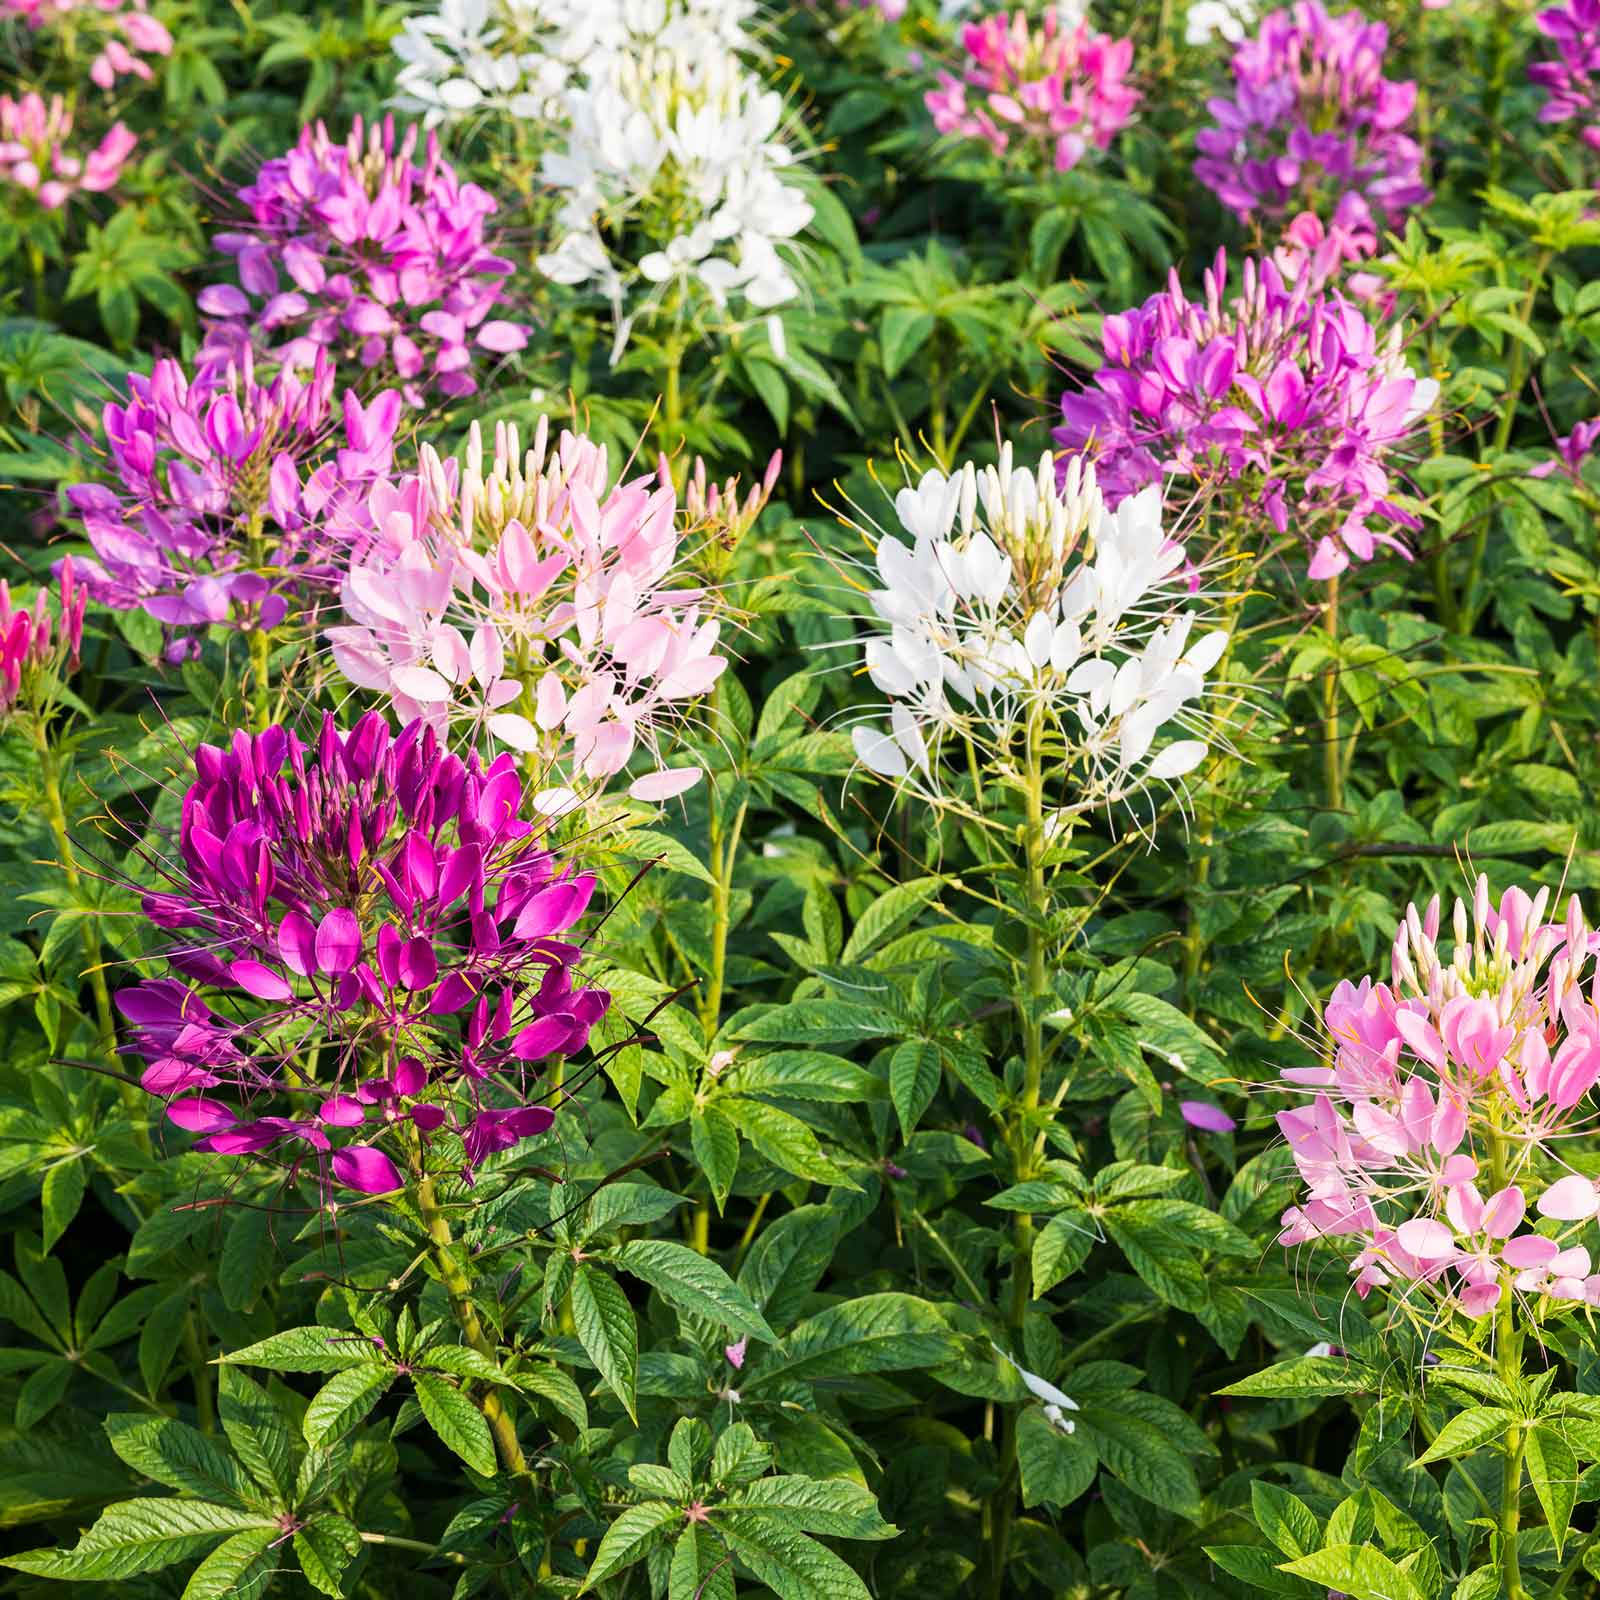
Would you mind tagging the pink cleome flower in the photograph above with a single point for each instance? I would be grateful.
(1572, 79)
(36, 155)
(1052, 88)
(46, 639)
(124, 30)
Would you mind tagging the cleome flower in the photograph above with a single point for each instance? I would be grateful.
(1022, 608)
(1311, 119)
(1279, 399)
(43, 643)
(123, 30)
(670, 188)
(532, 598)
(37, 155)
(1434, 1136)
(1054, 87)
(232, 497)
(1572, 80)
(390, 266)
(366, 947)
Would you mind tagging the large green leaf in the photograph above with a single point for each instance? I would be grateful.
(607, 1331)
(140, 1536)
(694, 1284)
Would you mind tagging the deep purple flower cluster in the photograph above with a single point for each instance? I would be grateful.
(388, 262)
(380, 932)
(1312, 118)
(1572, 80)
(231, 496)
(1280, 395)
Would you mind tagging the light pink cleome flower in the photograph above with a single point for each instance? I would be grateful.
(533, 598)
(36, 154)
(1458, 1077)
(124, 30)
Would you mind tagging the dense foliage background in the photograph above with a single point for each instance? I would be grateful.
(875, 1139)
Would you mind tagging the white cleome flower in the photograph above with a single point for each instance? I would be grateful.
(1021, 609)
(1228, 19)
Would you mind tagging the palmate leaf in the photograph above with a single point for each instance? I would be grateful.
(141, 1536)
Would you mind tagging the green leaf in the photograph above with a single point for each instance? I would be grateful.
(835, 1508)
(877, 1333)
(1554, 1471)
(1254, 1566)
(632, 1537)
(1056, 1467)
(788, 1259)
(903, 331)
(701, 1567)
(607, 1331)
(249, 1259)
(60, 1198)
(715, 1141)
(140, 1536)
(1142, 1456)
(1358, 1571)
(887, 915)
(456, 1420)
(914, 1074)
(176, 1455)
(1061, 1247)
(241, 1566)
(785, 1141)
(341, 1403)
(308, 1350)
(257, 1430)
(1306, 1377)
(793, 1566)
(1465, 1432)
(325, 1546)
(693, 1284)
(1285, 1519)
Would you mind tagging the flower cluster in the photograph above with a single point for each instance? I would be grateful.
(1049, 86)
(231, 496)
(1021, 601)
(1312, 118)
(36, 153)
(1572, 80)
(384, 941)
(45, 640)
(532, 598)
(124, 29)
(1281, 395)
(390, 265)
(520, 57)
(670, 186)
(1460, 1075)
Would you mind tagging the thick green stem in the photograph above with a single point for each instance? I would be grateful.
(1003, 1502)
(1332, 764)
(458, 1286)
(260, 678)
(724, 857)
(56, 815)
(1508, 1366)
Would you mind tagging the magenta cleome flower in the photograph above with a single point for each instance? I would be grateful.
(1279, 398)
(124, 30)
(36, 154)
(1312, 119)
(232, 497)
(1040, 87)
(1460, 1075)
(1572, 80)
(389, 265)
(42, 643)
(383, 941)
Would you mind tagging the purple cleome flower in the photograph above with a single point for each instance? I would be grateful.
(232, 495)
(1311, 120)
(1282, 393)
(380, 934)
(1573, 79)
(389, 265)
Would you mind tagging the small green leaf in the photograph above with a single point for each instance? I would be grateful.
(914, 1074)
(325, 1546)
(1465, 1432)
(341, 1403)
(1554, 1471)
(241, 1566)
(1306, 1377)
(834, 1508)
(607, 1331)
(1056, 1467)
(456, 1420)
(693, 1284)
(632, 1537)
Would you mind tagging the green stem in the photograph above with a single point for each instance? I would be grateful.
(1508, 1367)
(56, 815)
(458, 1286)
(670, 431)
(700, 1228)
(1332, 767)
(205, 1405)
(1003, 1502)
(724, 857)
(260, 678)
(398, 1543)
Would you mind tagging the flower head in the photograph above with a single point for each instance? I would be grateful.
(670, 187)
(1022, 605)
(386, 264)
(1462, 1075)
(384, 943)
(532, 597)
(1572, 80)
(1311, 119)
(37, 155)
(1053, 87)
(38, 646)
(1281, 395)
(231, 497)
(123, 30)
